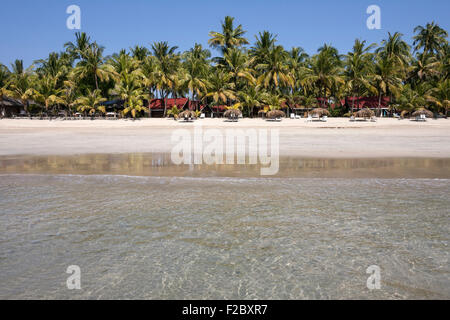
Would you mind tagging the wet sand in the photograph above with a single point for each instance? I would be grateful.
(337, 138)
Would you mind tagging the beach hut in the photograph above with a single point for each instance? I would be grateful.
(275, 114)
(10, 107)
(365, 113)
(320, 112)
(232, 114)
(422, 113)
(187, 115)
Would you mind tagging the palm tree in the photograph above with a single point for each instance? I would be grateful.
(20, 85)
(56, 65)
(196, 68)
(324, 72)
(385, 80)
(273, 101)
(69, 95)
(265, 42)
(46, 91)
(430, 38)
(167, 67)
(174, 112)
(424, 68)
(220, 88)
(139, 53)
(149, 75)
(395, 49)
(357, 68)
(92, 67)
(250, 98)
(275, 71)
(4, 84)
(91, 103)
(440, 96)
(296, 60)
(78, 48)
(410, 99)
(229, 38)
(238, 66)
(123, 64)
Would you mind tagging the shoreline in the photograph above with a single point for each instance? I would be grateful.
(336, 139)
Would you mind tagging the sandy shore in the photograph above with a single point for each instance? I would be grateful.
(337, 138)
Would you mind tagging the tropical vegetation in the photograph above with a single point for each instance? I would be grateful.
(251, 77)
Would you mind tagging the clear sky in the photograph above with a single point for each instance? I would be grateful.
(30, 29)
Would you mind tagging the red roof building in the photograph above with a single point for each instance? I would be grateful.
(157, 104)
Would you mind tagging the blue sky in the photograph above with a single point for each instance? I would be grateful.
(30, 29)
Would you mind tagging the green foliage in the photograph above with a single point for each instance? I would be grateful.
(261, 75)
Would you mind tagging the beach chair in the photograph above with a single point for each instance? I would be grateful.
(352, 118)
(324, 119)
(309, 119)
(202, 116)
(373, 119)
(292, 116)
(297, 116)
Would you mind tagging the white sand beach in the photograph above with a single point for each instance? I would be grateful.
(337, 138)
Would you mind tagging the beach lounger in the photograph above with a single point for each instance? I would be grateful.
(292, 116)
(324, 119)
(309, 119)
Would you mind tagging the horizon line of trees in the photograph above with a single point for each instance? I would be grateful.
(243, 76)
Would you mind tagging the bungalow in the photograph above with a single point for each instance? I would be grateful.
(373, 103)
(10, 107)
(156, 106)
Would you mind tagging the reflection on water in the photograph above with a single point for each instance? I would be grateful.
(160, 164)
(141, 227)
(222, 238)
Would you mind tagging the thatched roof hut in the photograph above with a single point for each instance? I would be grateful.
(275, 114)
(365, 113)
(320, 112)
(424, 111)
(232, 113)
(187, 114)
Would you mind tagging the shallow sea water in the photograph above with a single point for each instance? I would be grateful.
(222, 237)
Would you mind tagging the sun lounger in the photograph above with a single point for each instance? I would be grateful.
(324, 119)
(309, 119)
(292, 116)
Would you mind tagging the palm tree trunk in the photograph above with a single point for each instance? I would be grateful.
(379, 106)
(96, 80)
(25, 106)
(164, 103)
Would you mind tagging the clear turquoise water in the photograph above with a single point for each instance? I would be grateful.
(151, 237)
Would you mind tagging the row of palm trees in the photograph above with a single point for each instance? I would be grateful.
(243, 75)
